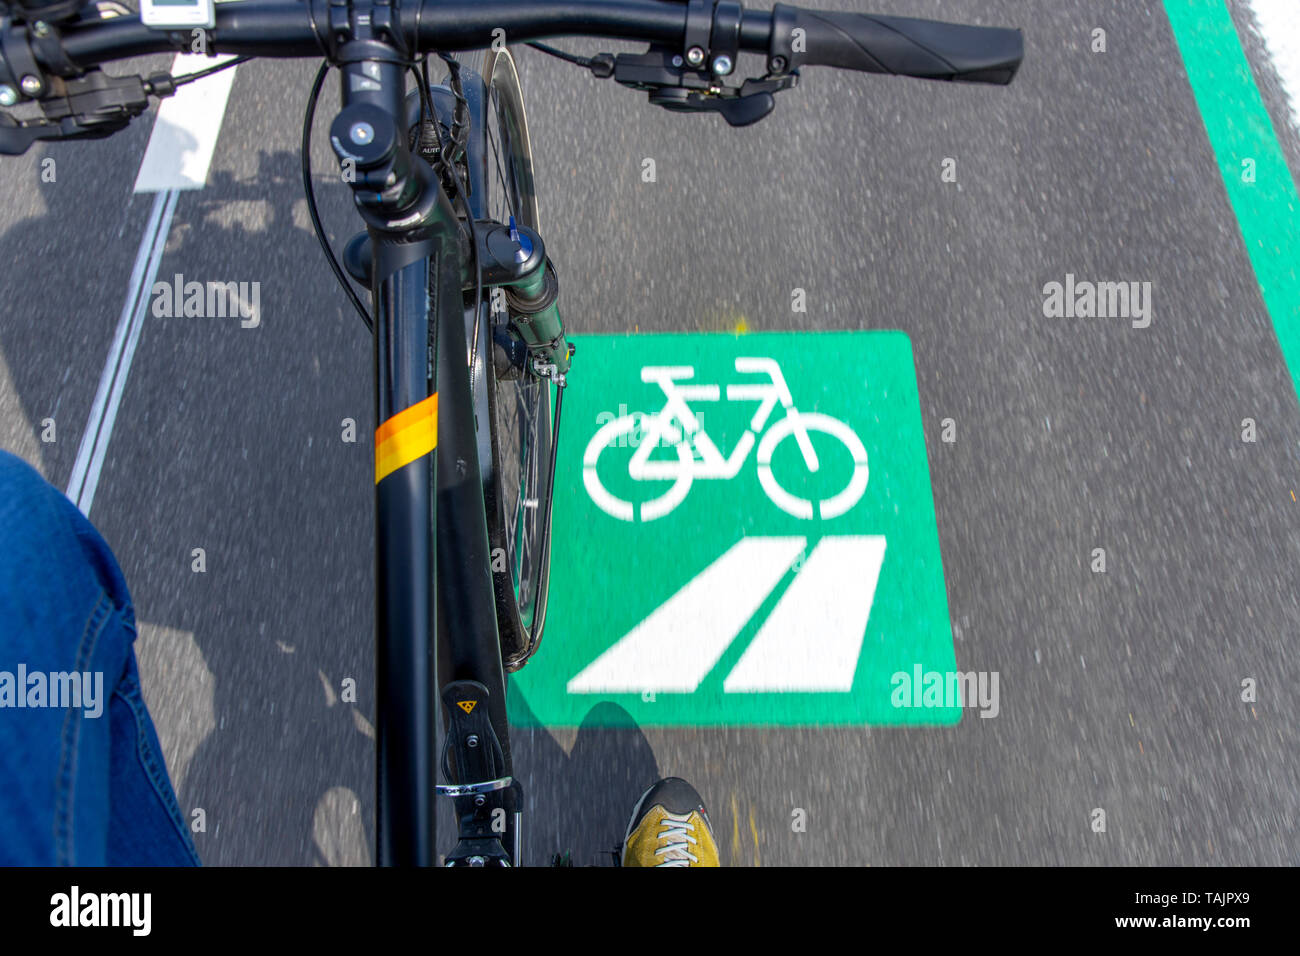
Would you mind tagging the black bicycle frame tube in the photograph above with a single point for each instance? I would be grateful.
(405, 664)
(465, 593)
(465, 586)
(430, 521)
(405, 455)
(420, 321)
(468, 636)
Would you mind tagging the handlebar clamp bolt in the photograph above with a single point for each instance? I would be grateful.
(32, 85)
(722, 65)
(8, 95)
(362, 133)
(695, 56)
(677, 61)
(776, 64)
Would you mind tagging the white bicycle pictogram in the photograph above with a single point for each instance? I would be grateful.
(677, 426)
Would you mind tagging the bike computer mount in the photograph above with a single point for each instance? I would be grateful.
(691, 79)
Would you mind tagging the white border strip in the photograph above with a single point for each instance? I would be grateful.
(112, 382)
(1278, 23)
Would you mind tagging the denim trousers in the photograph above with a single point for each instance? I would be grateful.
(82, 776)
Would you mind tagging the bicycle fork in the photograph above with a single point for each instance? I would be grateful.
(489, 802)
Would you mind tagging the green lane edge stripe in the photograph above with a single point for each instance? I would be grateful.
(1238, 128)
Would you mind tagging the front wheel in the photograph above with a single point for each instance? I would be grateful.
(519, 403)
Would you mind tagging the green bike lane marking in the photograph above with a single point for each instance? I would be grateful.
(702, 611)
(1239, 129)
(758, 591)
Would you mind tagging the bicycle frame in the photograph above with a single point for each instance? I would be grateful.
(430, 522)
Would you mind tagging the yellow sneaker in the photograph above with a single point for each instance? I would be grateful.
(670, 827)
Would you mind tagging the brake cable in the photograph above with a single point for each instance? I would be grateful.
(208, 71)
(582, 61)
(459, 134)
(319, 229)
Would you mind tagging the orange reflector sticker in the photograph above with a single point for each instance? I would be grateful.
(408, 435)
(466, 705)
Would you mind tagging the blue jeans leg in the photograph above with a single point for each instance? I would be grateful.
(84, 782)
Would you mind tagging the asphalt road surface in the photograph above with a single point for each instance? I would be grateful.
(1120, 691)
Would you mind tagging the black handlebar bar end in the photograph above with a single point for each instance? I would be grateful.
(901, 46)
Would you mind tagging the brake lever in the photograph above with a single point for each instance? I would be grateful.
(670, 84)
(736, 110)
(741, 106)
(17, 137)
(91, 106)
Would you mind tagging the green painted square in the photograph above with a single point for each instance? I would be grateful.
(608, 574)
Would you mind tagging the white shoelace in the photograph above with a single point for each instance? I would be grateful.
(679, 828)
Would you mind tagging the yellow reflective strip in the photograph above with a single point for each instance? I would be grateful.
(407, 417)
(408, 435)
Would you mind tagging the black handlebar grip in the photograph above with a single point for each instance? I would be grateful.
(900, 45)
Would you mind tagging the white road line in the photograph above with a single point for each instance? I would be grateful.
(185, 132)
(178, 157)
(1279, 28)
(676, 646)
(812, 639)
(112, 382)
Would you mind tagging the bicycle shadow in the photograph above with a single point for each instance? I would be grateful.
(226, 439)
(284, 618)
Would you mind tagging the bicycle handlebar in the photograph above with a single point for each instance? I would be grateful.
(696, 43)
(300, 28)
